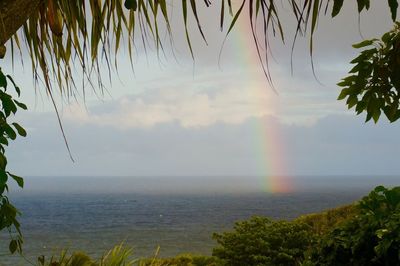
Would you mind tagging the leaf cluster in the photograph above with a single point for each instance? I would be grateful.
(181, 260)
(372, 237)
(261, 241)
(9, 131)
(63, 33)
(373, 85)
(117, 256)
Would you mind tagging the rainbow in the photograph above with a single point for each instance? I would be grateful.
(269, 147)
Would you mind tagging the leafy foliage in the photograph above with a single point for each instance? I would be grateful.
(9, 131)
(323, 222)
(63, 33)
(365, 233)
(261, 241)
(181, 260)
(370, 238)
(373, 85)
(118, 256)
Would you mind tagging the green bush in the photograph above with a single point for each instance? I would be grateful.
(181, 260)
(323, 222)
(261, 241)
(370, 238)
(365, 233)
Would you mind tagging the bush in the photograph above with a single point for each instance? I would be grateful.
(323, 222)
(181, 260)
(370, 238)
(261, 241)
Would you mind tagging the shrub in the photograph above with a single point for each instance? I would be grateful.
(370, 238)
(261, 241)
(323, 222)
(181, 260)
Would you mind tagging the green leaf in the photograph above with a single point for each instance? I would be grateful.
(342, 95)
(361, 4)
(3, 140)
(10, 132)
(21, 131)
(13, 246)
(337, 6)
(21, 105)
(8, 104)
(3, 177)
(3, 161)
(18, 179)
(130, 4)
(393, 8)
(363, 43)
(360, 107)
(369, 116)
(351, 101)
(3, 80)
(386, 37)
(17, 89)
(344, 83)
(376, 114)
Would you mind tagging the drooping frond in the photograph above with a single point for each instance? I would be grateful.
(61, 34)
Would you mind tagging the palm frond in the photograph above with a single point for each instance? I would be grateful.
(62, 34)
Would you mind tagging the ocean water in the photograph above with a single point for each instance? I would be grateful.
(178, 214)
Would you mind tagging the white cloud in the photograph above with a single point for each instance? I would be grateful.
(189, 106)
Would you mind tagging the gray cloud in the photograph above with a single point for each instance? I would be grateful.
(335, 145)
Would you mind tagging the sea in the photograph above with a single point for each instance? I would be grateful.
(161, 216)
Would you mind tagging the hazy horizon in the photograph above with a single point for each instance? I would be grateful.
(244, 185)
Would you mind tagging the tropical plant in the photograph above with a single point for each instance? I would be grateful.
(8, 132)
(261, 241)
(374, 82)
(60, 33)
(117, 256)
(372, 237)
(323, 222)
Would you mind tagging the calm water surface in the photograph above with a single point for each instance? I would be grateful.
(95, 214)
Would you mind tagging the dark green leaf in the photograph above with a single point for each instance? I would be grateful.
(3, 176)
(3, 161)
(3, 80)
(386, 37)
(351, 101)
(363, 44)
(131, 4)
(13, 246)
(343, 94)
(393, 8)
(3, 140)
(21, 105)
(362, 4)
(337, 6)
(21, 131)
(18, 179)
(17, 89)
(8, 104)
(10, 132)
(376, 114)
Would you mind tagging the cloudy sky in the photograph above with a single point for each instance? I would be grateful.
(173, 116)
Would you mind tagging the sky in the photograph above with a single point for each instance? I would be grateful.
(176, 117)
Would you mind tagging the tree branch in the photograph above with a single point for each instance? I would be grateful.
(13, 14)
